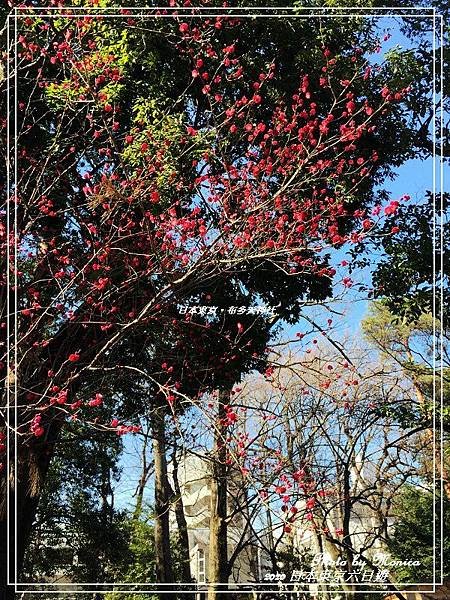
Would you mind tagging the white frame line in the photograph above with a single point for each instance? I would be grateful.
(191, 11)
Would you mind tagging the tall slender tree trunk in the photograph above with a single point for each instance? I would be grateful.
(163, 559)
(218, 571)
(347, 539)
(145, 474)
(181, 523)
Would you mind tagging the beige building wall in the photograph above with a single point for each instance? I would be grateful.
(194, 480)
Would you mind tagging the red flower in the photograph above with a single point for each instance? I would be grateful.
(232, 416)
(391, 208)
(62, 397)
(298, 475)
(101, 283)
(184, 27)
(229, 49)
(36, 427)
(310, 503)
(347, 281)
(96, 401)
(74, 357)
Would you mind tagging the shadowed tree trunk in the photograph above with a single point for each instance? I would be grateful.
(33, 455)
(347, 538)
(218, 571)
(181, 522)
(33, 461)
(163, 559)
(146, 470)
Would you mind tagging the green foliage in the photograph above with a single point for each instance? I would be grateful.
(411, 345)
(140, 564)
(414, 537)
(399, 340)
(410, 269)
(163, 130)
(113, 49)
(78, 533)
(61, 95)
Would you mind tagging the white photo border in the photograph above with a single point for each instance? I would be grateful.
(438, 339)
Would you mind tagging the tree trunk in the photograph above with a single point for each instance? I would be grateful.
(33, 461)
(347, 540)
(145, 474)
(34, 456)
(8, 590)
(181, 524)
(218, 571)
(163, 559)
